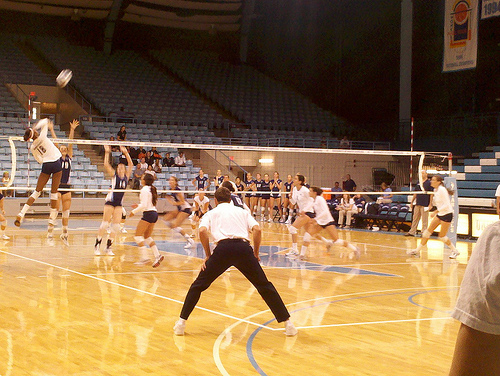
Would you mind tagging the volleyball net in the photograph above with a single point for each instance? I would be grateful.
(321, 167)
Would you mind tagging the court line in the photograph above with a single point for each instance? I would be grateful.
(132, 288)
(372, 322)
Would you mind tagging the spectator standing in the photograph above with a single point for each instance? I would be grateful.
(348, 185)
(337, 188)
(230, 226)
(168, 161)
(180, 160)
(122, 134)
(420, 205)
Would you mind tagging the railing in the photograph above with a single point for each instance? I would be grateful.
(230, 162)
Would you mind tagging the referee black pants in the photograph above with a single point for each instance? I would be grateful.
(237, 253)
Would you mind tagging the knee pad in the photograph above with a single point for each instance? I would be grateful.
(139, 239)
(307, 237)
(104, 225)
(339, 242)
(115, 228)
(149, 241)
(444, 239)
(65, 214)
(52, 217)
(35, 195)
(177, 229)
(54, 196)
(426, 234)
(292, 230)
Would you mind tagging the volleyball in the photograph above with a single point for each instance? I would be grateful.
(64, 77)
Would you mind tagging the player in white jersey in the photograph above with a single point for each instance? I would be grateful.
(444, 218)
(304, 202)
(182, 211)
(49, 156)
(64, 194)
(147, 206)
(113, 205)
(323, 220)
(201, 206)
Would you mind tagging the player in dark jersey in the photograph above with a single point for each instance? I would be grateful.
(64, 194)
(218, 179)
(276, 185)
(182, 211)
(265, 199)
(235, 199)
(258, 196)
(113, 205)
(201, 182)
(250, 198)
(239, 186)
(287, 205)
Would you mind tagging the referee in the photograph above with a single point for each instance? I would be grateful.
(230, 225)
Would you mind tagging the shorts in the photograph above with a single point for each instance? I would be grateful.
(186, 210)
(113, 203)
(310, 214)
(266, 196)
(50, 168)
(332, 223)
(199, 213)
(63, 187)
(446, 218)
(150, 216)
(1, 196)
(275, 195)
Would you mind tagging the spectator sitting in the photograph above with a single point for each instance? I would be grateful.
(151, 172)
(154, 153)
(346, 209)
(360, 202)
(149, 159)
(122, 134)
(168, 160)
(140, 169)
(134, 154)
(386, 198)
(348, 184)
(180, 160)
(344, 143)
(157, 166)
(337, 189)
(141, 153)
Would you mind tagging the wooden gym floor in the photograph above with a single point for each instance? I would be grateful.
(66, 312)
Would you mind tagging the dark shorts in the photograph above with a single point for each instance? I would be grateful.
(50, 168)
(150, 216)
(332, 223)
(311, 214)
(275, 195)
(265, 196)
(1, 196)
(187, 210)
(199, 213)
(62, 188)
(113, 203)
(446, 218)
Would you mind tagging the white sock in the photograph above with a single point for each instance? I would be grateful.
(24, 210)
(303, 250)
(294, 247)
(154, 248)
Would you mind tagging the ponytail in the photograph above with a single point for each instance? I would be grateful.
(148, 180)
(440, 179)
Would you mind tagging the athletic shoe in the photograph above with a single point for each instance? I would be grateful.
(50, 236)
(109, 252)
(292, 253)
(97, 252)
(288, 221)
(158, 261)
(290, 329)
(142, 262)
(124, 230)
(347, 227)
(5, 237)
(189, 244)
(64, 238)
(408, 234)
(179, 327)
(412, 252)
(18, 220)
(454, 254)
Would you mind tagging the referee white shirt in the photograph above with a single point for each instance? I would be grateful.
(227, 221)
(42, 148)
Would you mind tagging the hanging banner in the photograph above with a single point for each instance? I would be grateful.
(460, 35)
(491, 8)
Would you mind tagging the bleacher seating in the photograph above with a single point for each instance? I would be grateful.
(248, 94)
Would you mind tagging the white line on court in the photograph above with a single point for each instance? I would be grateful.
(372, 322)
(134, 289)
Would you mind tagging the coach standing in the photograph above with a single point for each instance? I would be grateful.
(229, 226)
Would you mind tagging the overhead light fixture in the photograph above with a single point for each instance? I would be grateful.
(266, 160)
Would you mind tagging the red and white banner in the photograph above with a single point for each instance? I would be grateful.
(460, 35)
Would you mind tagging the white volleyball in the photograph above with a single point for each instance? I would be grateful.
(64, 77)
